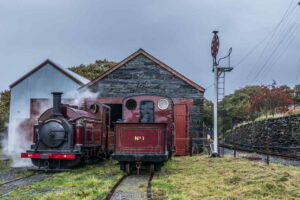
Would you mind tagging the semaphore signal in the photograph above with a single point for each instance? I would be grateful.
(219, 84)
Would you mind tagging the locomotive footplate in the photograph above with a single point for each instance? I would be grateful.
(129, 157)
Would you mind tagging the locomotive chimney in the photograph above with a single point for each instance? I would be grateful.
(57, 103)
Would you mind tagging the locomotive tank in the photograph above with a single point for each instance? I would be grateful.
(145, 135)
(67, 136)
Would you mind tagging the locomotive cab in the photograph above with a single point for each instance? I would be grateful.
(145, 135)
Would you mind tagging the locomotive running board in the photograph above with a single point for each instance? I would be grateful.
(49, 170)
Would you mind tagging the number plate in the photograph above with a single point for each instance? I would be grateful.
(44, 156)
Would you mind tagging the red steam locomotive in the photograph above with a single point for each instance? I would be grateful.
(145, 135)
(67, 136)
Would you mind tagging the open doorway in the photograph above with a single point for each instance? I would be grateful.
(116, 114)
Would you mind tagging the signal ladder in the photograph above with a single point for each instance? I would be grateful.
(221, 82)
(221, 85)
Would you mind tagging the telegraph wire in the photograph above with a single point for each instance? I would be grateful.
(251, 51)
(287, 23)
(208, 87)
(277, 47)
(291, 25)
(289, 42)
(266, 37)
(280, 27)
(278, 54)
(273, 37)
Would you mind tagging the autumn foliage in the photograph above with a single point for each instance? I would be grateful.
(271, 99)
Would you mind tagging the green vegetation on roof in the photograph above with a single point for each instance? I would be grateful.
(94, 70)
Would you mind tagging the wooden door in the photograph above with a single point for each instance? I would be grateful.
(180, 129)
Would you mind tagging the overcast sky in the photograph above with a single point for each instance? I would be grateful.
(178, 32)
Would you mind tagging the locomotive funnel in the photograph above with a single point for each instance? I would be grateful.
(57, 103)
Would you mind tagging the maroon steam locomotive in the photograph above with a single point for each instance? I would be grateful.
(145, 134)
(67, 136)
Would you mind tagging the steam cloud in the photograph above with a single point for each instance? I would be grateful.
(16, 144)
(80, 95)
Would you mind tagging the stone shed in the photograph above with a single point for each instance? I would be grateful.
(142, 74)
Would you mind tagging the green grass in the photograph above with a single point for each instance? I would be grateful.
(200, 177)
(269, 116)
(84, 183)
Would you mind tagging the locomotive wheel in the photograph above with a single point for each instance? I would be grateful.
(35, 162)
(151, 168)
(127, 168)
(122, 166)
(67, 164)
(157, 167)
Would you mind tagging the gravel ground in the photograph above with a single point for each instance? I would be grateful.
(279, 160)
(133, 187)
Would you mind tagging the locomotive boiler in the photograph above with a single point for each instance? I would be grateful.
(67, 136)
(145, 134)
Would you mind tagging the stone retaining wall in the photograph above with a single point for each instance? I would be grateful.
(283, 132)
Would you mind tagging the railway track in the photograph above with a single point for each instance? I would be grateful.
(132, 187)
(17, 179)
(260, 152)
(11, 185)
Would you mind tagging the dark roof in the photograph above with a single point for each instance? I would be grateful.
(142, 52)
(64, 71)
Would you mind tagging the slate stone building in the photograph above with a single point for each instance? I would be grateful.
(142, 74)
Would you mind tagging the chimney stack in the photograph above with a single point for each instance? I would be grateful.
(57, 103)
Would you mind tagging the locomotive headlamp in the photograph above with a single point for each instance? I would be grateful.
(163, 104)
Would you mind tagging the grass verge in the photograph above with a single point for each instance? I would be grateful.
(85, 183)
(4, 163)
(200, 177)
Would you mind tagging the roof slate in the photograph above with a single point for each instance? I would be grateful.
(135, 54)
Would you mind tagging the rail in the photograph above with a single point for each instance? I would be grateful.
(264, 152)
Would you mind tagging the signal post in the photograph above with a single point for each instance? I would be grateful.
(218, 72)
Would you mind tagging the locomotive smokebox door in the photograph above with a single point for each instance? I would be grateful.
(52, 133)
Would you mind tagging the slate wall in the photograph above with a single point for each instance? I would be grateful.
(284, 134)
(143, 76)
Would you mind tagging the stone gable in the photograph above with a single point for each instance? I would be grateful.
(142, 76)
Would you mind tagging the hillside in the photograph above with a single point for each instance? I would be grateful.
(4, 109)
(254, 102)
(93, 70)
